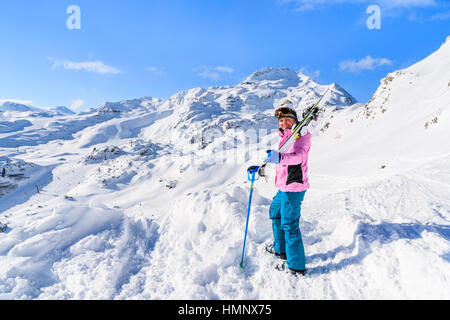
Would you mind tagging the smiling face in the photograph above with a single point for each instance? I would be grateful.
(286, 123)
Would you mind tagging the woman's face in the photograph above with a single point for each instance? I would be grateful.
(286, 123)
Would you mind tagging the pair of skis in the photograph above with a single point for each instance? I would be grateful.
(309, 115)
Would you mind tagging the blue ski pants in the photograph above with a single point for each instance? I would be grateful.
(285, 214)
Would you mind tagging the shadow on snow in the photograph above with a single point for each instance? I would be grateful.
(366, 234)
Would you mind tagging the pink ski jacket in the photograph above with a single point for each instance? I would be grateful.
(292, 171)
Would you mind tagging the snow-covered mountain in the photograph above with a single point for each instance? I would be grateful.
(144, 104)
(138, 199)
(11, 108)
(62, 110)
(405, 123)
(24, 126)
(199, 115)
(14, 106)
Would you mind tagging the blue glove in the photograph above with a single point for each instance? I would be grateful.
(273, 156)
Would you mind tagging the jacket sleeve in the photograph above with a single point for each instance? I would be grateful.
(299, 152)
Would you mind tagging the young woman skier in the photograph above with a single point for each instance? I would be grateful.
(292, 182)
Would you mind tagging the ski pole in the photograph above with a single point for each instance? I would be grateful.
(250, 171)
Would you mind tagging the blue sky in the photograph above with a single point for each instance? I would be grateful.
(129, 49)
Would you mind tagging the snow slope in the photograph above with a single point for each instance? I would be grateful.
(404, 125)
(31, 127)
(15, 107)
(150, 202)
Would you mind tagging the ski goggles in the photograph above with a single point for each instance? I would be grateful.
(285, 112)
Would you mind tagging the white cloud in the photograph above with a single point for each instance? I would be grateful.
(406, 3)
(313, 74)
(205, 72)
(224, 69)
(367, 63)
(156, 71)
(441, 16)
(214, 73)
(88, 66)
(423, 18)
(304, 5)
(77, 104)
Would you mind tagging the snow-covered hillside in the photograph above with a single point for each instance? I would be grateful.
(11, 107)
(405, 124)
(147, 198)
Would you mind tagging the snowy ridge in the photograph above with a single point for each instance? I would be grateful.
(11, 108)
(130, 208)
(62, 110)
(199, 115)
(144, 104)
(447, 40)
(282, 77)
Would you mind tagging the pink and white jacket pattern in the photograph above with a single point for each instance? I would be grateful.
(292, 171)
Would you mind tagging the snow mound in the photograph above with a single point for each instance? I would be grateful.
(14, 166)
(13, 106)
(99, 155)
